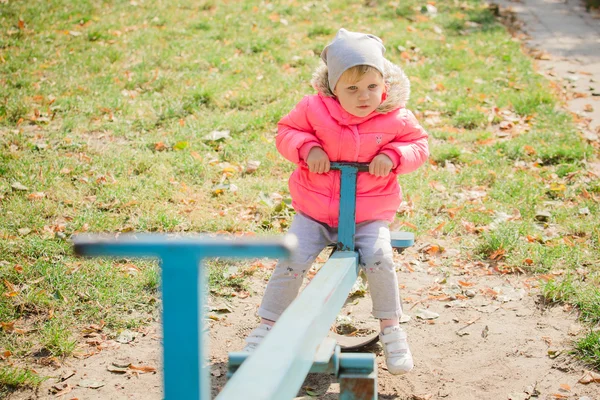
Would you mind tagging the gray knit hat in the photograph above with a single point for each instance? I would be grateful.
(349, 49)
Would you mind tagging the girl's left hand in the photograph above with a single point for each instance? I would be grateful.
(381, 165)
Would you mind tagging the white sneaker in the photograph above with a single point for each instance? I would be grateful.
(397, 354)
(256, 337)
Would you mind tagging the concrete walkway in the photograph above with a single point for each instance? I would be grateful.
(566, 38)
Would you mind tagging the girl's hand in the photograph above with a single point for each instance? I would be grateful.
(381, 165)
(317, 160)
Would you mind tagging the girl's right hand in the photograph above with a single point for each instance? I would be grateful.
(317, 161)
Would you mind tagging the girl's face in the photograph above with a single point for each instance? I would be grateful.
(363, 97)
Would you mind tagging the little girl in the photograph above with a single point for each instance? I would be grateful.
(358, 115)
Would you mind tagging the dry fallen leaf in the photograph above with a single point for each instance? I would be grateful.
(142, 368)
(433, 249)
(426, 314)
(541, 55)
(590, 377)
(252, 166)
(117, 370)
(242, 294)
(217, 135)
(438, 228)
(228, 169)
(469, 226)
(36, 196)
(23, 231)
(94, 327)
(91, 384)
(498, 254)
(408, 224)
(422, 397)
(7, 326)
(437, 186)
(565, 387)
(529, 150)
(160, 146)
(488, 292)
(19, 186)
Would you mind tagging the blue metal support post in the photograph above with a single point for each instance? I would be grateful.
(347, 220)
(185, 376)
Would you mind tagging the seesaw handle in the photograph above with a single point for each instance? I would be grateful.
(360, 167)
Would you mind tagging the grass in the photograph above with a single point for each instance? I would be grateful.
(105, 108)
(582, 291)
(12, 378)
(588, 350)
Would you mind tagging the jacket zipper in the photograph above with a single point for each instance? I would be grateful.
(336, 179)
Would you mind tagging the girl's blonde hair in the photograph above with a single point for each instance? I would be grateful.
(354, 74)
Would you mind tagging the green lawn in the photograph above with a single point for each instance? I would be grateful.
(108, 113)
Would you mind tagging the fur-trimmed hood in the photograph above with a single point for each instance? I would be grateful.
(395, 79)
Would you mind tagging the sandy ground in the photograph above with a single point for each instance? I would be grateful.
(496, 340)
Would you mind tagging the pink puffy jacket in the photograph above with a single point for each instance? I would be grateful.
(320, 120)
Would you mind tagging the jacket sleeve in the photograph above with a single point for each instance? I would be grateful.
(295, 135)
(410, 149)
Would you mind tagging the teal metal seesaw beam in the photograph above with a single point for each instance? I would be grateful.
(278, 367)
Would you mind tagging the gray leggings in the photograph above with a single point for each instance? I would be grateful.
(372, 239)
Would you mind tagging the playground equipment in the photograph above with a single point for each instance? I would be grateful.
(297, 345)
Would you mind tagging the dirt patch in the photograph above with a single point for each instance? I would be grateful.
(492, 339)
